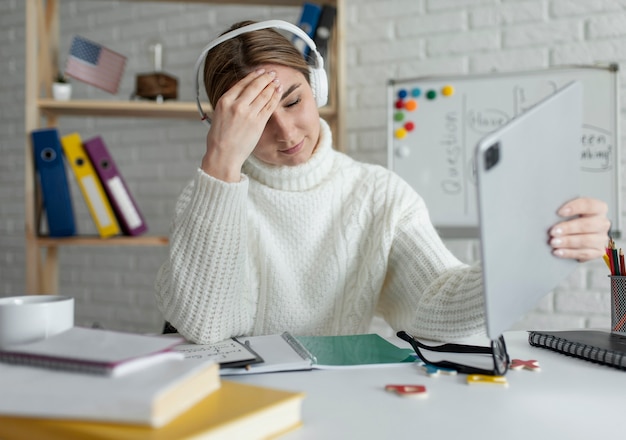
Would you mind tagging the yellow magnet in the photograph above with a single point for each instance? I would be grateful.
(486, 379)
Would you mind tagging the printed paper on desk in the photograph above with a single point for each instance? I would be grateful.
(228, 353)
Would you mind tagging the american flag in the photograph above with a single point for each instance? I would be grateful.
(95, 64)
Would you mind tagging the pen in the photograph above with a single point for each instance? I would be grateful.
(622, 266)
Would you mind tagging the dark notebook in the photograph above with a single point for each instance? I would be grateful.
(597, 346)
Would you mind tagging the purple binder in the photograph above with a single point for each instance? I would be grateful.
(126, 210)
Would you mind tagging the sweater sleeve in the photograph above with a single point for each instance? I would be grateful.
(202, 288)
(427, 290)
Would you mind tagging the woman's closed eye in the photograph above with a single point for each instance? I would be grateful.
(293, 102)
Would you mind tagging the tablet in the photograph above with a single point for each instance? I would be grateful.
(525, 171)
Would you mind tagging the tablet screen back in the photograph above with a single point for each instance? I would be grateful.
(526, 170)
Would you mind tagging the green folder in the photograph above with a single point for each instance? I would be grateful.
(354, 350)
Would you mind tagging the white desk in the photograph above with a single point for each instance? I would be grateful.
(568, 399)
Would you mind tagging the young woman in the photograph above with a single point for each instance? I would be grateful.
(279, 231)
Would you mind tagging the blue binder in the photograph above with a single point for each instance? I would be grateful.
(324, 30)
(308, 23)
(55, 190)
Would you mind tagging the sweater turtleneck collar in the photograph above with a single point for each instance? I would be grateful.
(299, 177)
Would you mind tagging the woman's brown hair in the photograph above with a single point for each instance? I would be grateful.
(228, 62)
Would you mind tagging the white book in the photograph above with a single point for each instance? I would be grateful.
(152, 397)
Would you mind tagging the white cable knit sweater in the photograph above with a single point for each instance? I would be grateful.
(315, 249)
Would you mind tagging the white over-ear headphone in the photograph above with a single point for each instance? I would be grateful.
(317, 74)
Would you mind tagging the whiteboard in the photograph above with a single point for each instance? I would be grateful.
(435, 123)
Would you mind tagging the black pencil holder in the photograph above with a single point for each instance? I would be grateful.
(618, 304)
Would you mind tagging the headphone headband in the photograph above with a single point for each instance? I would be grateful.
(317, 68)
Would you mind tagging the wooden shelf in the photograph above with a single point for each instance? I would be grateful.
(147, 109)
(167, 109)
(247, 2)
(94, 240)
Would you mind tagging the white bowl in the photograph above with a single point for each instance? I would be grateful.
(32, 317)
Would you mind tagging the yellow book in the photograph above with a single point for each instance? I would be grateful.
(90, 186)
(234, 411)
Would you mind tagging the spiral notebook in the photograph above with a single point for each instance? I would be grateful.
(93, 351)
(279, 352)
(601, 347)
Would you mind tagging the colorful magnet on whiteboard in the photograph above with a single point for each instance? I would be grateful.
(410, 105)
(408, 390)
(403, 151)
(447, 90)
(433, 371)
(487, 380)
(518, 364)
(409, 126)
(398, 116)
(401, 133)
(416, 92)
(431, 94)
(402, 93)
(399, 104)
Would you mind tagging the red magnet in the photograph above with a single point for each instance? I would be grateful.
(518, 364)
(408, 390)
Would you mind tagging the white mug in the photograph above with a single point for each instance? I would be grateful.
(30, 318)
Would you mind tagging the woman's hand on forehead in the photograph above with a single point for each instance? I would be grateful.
(239, 118)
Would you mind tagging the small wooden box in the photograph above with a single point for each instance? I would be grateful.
(153, 85)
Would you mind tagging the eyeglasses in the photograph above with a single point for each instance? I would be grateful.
(497, 351)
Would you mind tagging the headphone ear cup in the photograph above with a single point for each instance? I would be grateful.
(319, 85)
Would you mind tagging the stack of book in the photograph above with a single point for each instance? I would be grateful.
(109, 201)
(92, 383)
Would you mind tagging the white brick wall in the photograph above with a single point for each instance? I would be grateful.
(385, 39)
